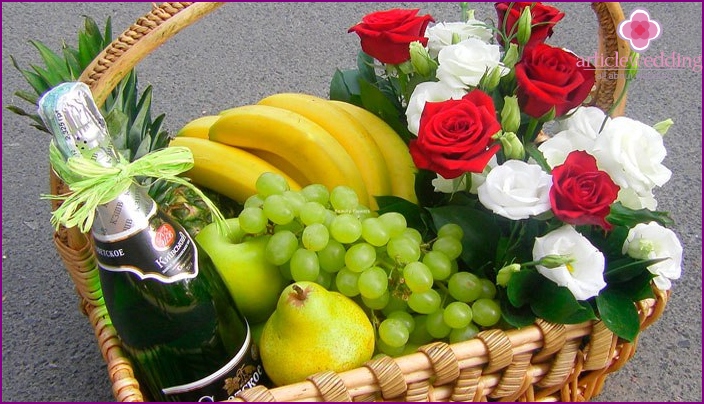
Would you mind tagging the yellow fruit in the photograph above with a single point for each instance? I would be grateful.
(398, 159)
(313, 330)
(293, 137)
(198, 127)
(225, 169)
(347, 131)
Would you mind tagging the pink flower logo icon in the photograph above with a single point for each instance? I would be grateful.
(639, 30)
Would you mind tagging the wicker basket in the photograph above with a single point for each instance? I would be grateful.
(541, 362)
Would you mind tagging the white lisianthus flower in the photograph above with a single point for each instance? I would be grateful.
(583, 275)
(440, 35)
(462, 65)
(516, 190)
(651, 241)
(453, 185)
(433, 91)
(578, 132)
(632, 152)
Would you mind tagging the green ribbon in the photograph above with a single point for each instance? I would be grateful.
(93, 184)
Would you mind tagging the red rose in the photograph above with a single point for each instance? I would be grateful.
(580, 193)
(543, 19)
(551, 77)
(386, 35)
(455, 135)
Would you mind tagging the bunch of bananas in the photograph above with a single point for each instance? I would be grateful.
(307, 139)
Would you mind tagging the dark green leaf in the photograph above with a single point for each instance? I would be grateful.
(516, 317)
(54, 63)
(581, 316)
(27, 96)
(522, 286)
(35, 81)
(375, 101)
(425, 191)
(636, 288)
(537, 155)
(619, 313)
(344, 86)
(623, 216)
(365, 67)
(481, 233)
(554, 303)
(627, 268)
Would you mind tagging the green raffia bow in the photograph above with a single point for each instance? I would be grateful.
(93, 184)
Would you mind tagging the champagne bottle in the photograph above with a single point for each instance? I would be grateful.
(172, 312)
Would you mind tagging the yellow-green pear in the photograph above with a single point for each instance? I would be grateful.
(313, 330)
(254, 283)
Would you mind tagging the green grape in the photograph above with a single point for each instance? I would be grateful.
(405, 317)
(293, 226)
(413, 234)
(285, 270)
(435, 323)
(278, 210)
(332, 257)
(486, 312)
(463, 334)
(312, 212)
(373, 282)
(344, 199)
(393, 332)
(324, 279)
(360, 257)
(363, 212)
(403, 249)
(281, 247)
(346, 282)
(418, 277)
(452, 230)
(271, 184)
(464, 287)
(387, 349)
(448, 245)
(295, 200)
(378, 303)
(395, 223)
(253, 220)
(439, 264)
(374, 232)
(304, 265)
(396, 303)
(488, 289)
(254, 201)
(345, 228)
(424, 303)
(316, 193)
(420, 334)
(315, 237)
(457, 315)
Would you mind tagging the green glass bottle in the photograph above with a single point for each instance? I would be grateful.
(173, 314)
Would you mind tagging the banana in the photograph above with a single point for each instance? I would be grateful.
(293, 137)
(348, 132)
(282, 164)
(399, 161)
(225, 169)
(198, 127)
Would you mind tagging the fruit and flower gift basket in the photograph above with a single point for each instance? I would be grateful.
(468, 217)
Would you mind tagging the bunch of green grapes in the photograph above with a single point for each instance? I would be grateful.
(411, 288)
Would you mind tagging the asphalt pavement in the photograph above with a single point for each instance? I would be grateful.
(245, 51)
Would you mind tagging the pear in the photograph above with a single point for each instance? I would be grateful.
(254, 283)
(312, 330)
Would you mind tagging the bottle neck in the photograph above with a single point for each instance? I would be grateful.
(124, 216)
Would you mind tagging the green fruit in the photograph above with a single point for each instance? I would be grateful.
(313, 330)
(254, 283)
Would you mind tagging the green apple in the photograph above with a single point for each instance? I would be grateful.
(253, 282)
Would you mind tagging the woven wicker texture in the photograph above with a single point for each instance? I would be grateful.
(541, 362)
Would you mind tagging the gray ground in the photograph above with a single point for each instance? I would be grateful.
(244, 52)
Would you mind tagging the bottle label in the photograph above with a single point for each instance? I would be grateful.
(172, 255)
(243, 372)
